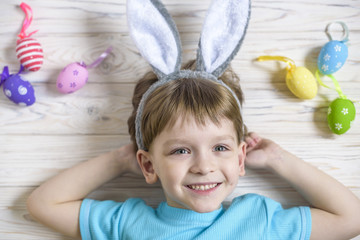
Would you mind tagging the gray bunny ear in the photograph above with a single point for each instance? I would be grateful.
(155, 35)
(223, 32)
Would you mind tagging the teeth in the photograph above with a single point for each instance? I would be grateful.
(203, 187)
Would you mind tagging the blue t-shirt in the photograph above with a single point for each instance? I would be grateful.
(248, 217)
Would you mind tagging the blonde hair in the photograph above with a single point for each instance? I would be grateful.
(201, 98)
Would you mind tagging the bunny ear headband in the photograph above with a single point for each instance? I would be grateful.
(155, 35)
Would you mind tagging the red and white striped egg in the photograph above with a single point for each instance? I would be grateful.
(30, 54)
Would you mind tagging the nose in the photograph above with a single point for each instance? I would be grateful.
(203, 164)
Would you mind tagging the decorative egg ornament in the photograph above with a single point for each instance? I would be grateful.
(341, 113)
(300, 81)
(16, 89)
(75, 75)
(28, 50)
(30, 53)
(332, 57)
(334, 53)
(72, 78)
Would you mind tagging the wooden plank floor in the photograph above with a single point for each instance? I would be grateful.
(59, 131)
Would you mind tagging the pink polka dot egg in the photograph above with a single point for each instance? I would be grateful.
(73, 77)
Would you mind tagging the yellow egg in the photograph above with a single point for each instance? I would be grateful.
(301, 83)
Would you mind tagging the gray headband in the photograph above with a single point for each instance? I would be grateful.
(155, 35)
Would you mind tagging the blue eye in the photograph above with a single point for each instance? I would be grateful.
(181, 151)
(220, 148)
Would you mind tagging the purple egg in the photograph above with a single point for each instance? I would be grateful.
(19, 91)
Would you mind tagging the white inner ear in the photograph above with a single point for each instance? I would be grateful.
(152, 35)
(224, 26)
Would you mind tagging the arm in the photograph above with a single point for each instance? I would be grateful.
(336, 210)
(56, 203)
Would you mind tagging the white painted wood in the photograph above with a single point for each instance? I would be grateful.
(59, 131)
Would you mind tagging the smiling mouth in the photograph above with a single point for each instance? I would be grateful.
(203, 187)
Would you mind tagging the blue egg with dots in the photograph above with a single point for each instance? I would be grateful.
(19, 91)
(332, 57)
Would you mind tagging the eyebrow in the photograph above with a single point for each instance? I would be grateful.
(184, 140)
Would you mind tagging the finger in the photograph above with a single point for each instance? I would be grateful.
(255, 136)
(252, 139)
(249, 142)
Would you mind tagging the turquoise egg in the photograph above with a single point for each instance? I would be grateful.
(332, 57)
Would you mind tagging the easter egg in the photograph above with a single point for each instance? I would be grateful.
(341, 113)
(332, 57)
(73, 77)
(301, 83)
(30, 54)
(19, 91)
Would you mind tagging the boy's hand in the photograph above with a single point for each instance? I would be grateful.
(261, 153)
(126, 155)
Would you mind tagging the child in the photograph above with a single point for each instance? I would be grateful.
(190, 136)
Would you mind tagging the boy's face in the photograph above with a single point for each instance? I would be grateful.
(198, 166)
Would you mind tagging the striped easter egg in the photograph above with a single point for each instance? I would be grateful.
(30, 53)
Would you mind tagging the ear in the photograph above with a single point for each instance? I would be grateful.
(146, 166)
(222, 34)
(241, 157)
(155, 35)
